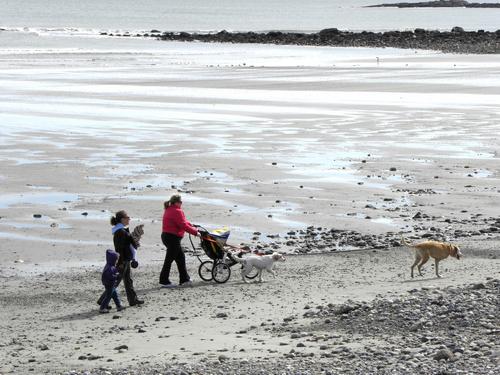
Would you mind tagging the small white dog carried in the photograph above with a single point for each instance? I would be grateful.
(260, 262)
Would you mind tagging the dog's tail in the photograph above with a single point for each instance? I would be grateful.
(405, 242)
(237, 259)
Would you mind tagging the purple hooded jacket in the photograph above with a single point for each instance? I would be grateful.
(110, 272)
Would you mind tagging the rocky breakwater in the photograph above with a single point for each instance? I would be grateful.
(457, 40)
(438, 4)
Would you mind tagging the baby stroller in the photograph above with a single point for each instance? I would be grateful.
(214, 245)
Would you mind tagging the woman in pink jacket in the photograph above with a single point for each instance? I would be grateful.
(174, 227)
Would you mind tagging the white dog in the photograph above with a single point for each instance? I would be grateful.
(260, 262)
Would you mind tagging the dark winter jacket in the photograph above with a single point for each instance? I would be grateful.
(110, 272)
(122, 241)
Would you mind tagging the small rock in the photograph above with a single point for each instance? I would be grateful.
(443, 354)
(223, 358)
(478, 286)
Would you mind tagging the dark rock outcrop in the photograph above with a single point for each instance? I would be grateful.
(438, 4)
(456, 41)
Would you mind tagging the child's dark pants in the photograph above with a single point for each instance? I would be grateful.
(110, 293)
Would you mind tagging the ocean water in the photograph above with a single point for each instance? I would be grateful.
(92, 16)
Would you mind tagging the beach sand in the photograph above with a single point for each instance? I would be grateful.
(261, 139)
(51, 323)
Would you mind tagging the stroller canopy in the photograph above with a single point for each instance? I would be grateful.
(213, 243)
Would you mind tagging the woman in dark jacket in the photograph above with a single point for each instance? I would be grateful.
(122, 241)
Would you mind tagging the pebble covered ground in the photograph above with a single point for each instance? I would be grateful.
(319, 239)
(451, 330)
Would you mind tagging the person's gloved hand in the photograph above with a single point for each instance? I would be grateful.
(134, 264)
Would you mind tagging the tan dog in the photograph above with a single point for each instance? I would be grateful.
(437, 250)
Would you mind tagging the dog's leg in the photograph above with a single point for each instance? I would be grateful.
(244, 273)
(436, 262)
(270, 270)
(417, 259)
(260, 276)
(422, 262)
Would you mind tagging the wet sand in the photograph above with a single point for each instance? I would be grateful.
(407, 145)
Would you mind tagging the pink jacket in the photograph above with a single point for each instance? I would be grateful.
(174, 222)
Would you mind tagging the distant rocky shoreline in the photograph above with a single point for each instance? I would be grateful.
(455, 41)
(438, 4)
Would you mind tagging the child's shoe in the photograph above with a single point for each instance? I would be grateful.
(103, 311)
(120, 308)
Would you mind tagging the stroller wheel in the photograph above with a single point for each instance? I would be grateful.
(252, 274)
(221, 272)
(205, 270)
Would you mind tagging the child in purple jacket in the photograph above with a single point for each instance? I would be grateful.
(109, 276)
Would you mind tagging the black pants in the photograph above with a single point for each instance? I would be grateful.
(174, 253)
(124, 269)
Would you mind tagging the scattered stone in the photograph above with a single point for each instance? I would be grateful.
(443, 354)
(223, 358)
(478, 286)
